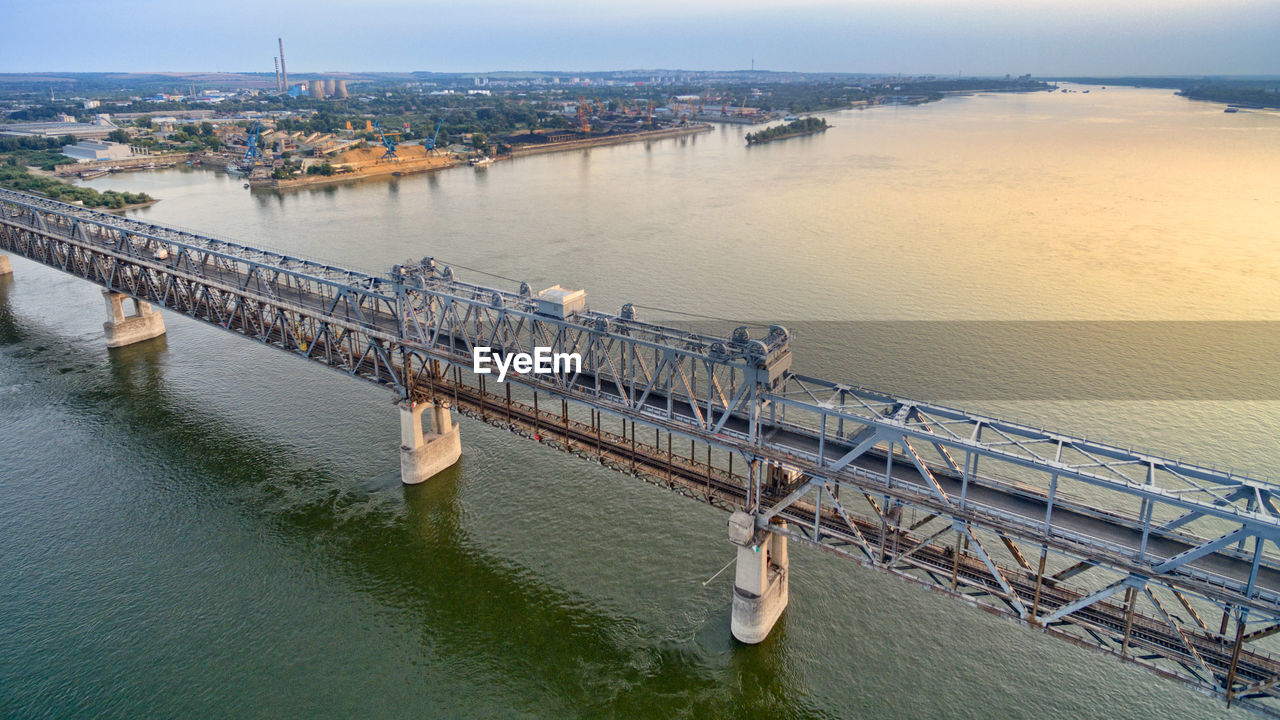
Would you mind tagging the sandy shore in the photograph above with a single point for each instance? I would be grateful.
(366, 163)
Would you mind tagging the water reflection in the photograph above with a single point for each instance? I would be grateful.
(411, 551)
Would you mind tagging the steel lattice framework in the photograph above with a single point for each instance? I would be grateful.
(1130, 552)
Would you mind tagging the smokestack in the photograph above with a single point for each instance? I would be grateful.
(284, 69)
(279, 87)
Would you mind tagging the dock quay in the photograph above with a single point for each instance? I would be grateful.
(618, 139)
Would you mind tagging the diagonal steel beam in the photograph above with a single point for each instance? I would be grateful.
(995, 570)
(1084, 602)
(1200, 551)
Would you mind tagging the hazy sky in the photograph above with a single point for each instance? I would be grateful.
(909, 36)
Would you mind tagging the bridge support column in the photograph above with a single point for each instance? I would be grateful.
(5, 267)
(425, 454)
(145, 323)
(760, 587)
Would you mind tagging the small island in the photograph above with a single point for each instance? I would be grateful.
(795, 128)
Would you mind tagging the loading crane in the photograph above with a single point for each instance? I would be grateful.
(582, 115)
(430, 144)
(252, 155)
(390, 154)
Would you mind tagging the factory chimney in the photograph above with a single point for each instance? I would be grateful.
(279, 87)
(284, 69)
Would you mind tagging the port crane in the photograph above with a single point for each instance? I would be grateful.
(584, 113)
(252, 155)
(390, 154)
(430, 144)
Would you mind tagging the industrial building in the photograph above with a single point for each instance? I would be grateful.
(97, 129)
(90, 150)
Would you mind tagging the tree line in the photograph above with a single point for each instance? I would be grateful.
(803, 126)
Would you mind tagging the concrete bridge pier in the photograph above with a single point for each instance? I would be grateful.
(5, 267)
(425, 454)
(145, 323)
(760, 587)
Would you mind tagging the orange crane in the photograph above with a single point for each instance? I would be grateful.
(582, 115)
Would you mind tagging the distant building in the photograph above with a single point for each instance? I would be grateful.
(178, 114)
(78, 130)
(91, 104)
(539, 137)
(89, 150)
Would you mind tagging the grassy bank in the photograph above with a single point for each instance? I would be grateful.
(17, 154)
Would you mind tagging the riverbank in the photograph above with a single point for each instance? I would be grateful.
(43, 182)
(364, 164)
(137, 162)
(523, 150)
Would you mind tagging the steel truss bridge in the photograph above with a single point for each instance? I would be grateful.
(1163, 563)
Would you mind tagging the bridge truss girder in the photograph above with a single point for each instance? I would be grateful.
(865, 459)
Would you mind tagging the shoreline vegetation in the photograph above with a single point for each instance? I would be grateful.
(796, 128)
(20, 155)
(1242, 92)
(161, 122)
(484, 124)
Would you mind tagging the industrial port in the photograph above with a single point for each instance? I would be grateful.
(281, 131)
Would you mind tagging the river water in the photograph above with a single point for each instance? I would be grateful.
(199, 526)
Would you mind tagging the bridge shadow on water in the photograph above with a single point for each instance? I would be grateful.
(412, 552)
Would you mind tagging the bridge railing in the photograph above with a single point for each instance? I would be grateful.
(1238, 512)
(355, 296)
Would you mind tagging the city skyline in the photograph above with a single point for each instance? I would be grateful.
(990, 37)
